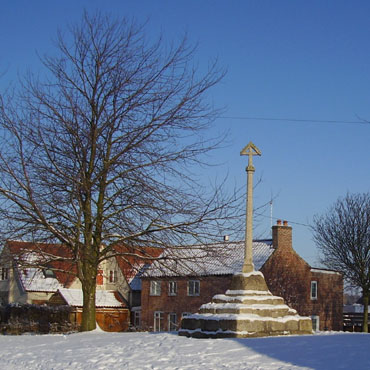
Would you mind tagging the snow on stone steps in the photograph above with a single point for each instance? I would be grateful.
(259, 309)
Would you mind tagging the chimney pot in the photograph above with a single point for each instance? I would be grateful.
(279, 222)
(285, 223)
(226, 238)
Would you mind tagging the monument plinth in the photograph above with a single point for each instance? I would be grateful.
(247, 309)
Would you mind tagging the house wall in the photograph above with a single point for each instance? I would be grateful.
(6, 285)
(38, 297)
(209, 286)
(16, 292)
(120, 284)
(289, 276)
(135, 298)
(4, 288)
(329, 303)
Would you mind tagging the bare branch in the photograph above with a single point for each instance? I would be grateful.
(101, 151)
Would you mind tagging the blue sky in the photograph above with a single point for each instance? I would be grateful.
(303, 60)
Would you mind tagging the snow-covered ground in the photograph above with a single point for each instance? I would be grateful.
(98, 350)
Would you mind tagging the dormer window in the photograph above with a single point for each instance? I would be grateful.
(48, 273)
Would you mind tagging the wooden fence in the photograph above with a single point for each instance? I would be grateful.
(352, 321)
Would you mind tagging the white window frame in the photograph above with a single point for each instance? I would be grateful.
(158, 321)
(315, 320)
(172, 321)
(155, 287)
(314, 290)
(193, 288)
(172, 288)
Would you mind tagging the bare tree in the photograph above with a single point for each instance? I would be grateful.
(343, 237)
(100, 152)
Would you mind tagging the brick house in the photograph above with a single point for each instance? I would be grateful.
(314, 292)
(183, 285)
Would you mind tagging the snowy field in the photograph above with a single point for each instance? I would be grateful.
(98, 350)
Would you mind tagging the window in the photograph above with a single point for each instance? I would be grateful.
(112, 276)
(155, 287)
(158, 321)
(172, 321)
(172, 288)
(193, 287)
(4, 273)
(313, 289)
(315, 323)
(137, 318)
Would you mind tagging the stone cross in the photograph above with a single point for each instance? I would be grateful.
(250, 150)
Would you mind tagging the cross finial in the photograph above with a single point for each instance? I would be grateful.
(250, 150)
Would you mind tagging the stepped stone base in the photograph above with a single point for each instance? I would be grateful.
(248, 309)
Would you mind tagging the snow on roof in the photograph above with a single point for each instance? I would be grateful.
(216, 259)
(29, 259)
(325, 271)
(135, 282)
(34, 280)
(103, 298)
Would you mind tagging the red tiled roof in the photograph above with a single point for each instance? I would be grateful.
(130, 259)
(56, 256)
(133, 258)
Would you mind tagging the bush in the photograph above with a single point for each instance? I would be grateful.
(28, 318)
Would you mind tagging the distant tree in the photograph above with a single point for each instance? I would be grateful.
(99, 152)
(343, 237)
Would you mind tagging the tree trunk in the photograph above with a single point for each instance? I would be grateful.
(88, 311)
(365, 296)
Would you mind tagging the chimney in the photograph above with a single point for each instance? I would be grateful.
(282, 236)
(226, 238)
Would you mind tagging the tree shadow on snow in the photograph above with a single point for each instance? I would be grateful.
(331, 351)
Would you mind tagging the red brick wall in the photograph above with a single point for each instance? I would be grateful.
(282, 237)
(329, 303)
(289, 276)
(209, 286)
